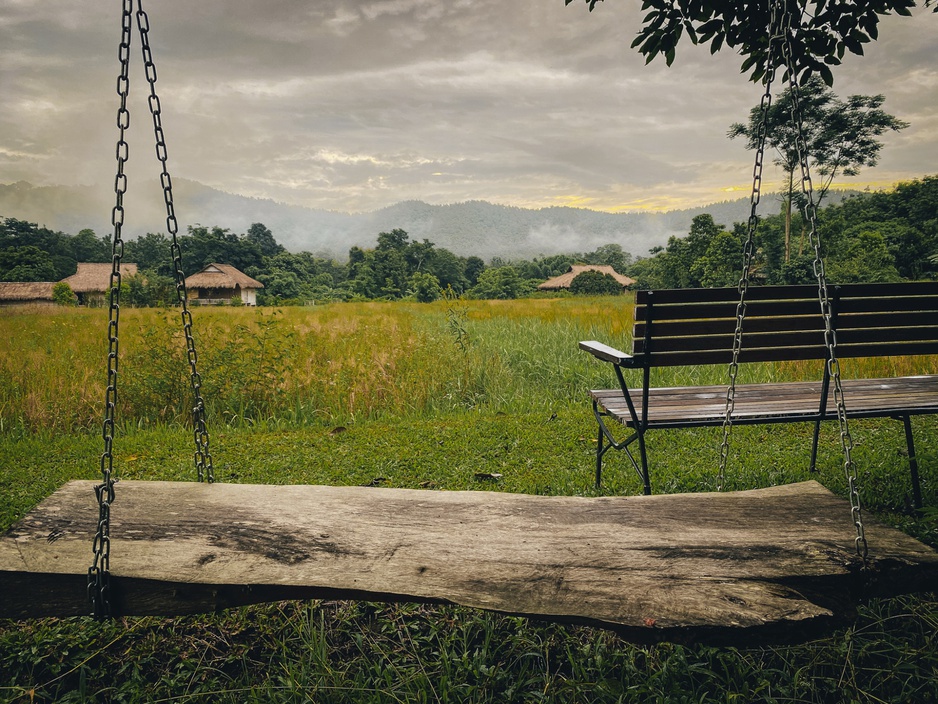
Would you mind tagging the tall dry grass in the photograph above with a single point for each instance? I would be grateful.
(334, 363)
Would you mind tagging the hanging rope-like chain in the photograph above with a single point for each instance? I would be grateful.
(830, 335)
(99, 572)
(203, 458)
(748, 248)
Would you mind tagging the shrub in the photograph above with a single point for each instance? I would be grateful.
(62, 294)
(595, 283)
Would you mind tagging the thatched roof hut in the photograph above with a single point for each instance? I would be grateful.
(93, 280)
(20, 292)
(564, 280)
(221, 283)
(93, 277)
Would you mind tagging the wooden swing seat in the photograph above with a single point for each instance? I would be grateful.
(766, 564)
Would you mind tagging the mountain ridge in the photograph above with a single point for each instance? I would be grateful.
(469, 228)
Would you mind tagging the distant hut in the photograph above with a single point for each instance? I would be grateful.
(92, 281)
(563, 281)
(219, 284)
(13, 293)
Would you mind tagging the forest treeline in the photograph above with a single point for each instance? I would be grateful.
(873, 237)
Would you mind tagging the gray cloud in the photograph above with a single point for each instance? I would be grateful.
(353, 105)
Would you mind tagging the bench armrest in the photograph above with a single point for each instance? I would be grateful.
(605, 352)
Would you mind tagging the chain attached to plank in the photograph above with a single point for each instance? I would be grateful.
(203, 458)
(749, 247)
(99, 572)
(830, 335)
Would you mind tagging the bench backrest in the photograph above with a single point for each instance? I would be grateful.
(696, 326)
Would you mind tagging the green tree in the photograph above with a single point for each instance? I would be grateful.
(280, 286)
(394, 240)
(595, 283)
(907, 217)
(26, 263)
(419, 255)
(677, 262)
(426, 287)
(841, 137)
(721, 264)
(449, 270)
(798, 270)
(473, 269)
(648, 272)
(150, 252)
(825, 31)
(88, 247)
(612, 255)
(356, 258)
(866, 259)
(390, 273)
(263, 239)
(203, 246)
(503, 282)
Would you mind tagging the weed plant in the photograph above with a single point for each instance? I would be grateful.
(421, 396)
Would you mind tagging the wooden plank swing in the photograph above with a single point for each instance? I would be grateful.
(778, 563)
(748, 566)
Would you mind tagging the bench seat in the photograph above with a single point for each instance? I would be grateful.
(697, 327)
(784, 402)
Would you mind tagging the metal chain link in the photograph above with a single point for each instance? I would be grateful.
(749, 248)
(203, 458)
(830, 335)
(99, 572)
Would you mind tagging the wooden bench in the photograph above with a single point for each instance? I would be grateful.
(690, 327)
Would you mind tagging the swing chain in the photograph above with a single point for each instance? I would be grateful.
(749, 248)
(203, 458)
(830, 335)
(99, 572)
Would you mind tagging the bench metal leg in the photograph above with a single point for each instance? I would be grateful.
(913, 463)
(600, 451)
(814, 444)
(605, 442)
(646, 479)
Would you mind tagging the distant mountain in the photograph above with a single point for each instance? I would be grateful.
(471, 228)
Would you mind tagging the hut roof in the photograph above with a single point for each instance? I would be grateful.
(94, 277)
(221, 276)
(12, 291)
(564, 280)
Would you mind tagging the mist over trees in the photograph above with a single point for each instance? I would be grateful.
(882, 236)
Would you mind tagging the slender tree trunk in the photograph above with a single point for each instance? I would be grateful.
(791, 189)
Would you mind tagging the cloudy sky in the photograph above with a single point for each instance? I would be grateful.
(352, 105)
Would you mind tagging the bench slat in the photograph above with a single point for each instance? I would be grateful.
(804, 291)
(787, 339)
(782, 354)
(784, 308)
(755, 324)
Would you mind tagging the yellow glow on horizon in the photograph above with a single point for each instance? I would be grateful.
(675, 197)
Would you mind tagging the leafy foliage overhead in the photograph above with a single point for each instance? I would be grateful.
(823, 31)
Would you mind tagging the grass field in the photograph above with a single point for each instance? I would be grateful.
(411, 395)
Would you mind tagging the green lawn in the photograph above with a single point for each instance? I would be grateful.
(510, 400)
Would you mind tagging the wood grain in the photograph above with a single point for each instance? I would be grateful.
(762, 403)
(774, 563)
